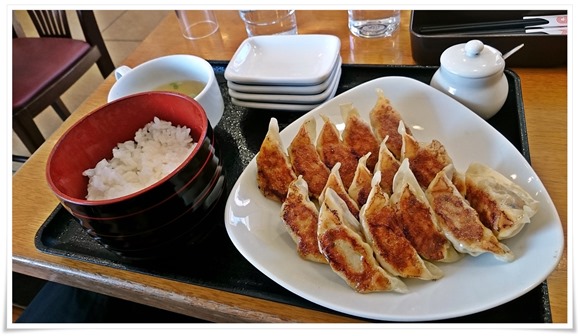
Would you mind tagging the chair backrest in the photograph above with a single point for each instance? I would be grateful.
(50, 23)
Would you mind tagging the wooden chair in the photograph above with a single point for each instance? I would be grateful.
(45, 67)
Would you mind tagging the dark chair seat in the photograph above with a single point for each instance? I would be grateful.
(45, 67)
(38, 62)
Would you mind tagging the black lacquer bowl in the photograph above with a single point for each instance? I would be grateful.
(157, 220)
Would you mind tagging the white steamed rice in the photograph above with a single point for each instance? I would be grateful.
(157, 150)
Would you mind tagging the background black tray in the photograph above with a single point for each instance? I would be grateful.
(427, 49)
(217, 263)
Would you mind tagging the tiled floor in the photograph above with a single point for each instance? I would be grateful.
(122, 32)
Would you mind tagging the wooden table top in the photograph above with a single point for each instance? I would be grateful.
(545, 103)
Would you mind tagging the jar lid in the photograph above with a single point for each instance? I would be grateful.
(472, 59)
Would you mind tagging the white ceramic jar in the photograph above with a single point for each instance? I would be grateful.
(473, 74)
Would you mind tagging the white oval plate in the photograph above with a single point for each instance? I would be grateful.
(305, 59)
(470, 285)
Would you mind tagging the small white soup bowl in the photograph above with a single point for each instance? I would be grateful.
(152, 74)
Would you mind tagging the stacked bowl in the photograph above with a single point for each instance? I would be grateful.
(284, 72)
(159, 220)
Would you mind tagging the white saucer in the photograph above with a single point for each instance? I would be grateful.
(287, 89)
(284, 59)
(291, 98)
(286, 107)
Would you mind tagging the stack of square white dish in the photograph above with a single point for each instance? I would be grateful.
(284, 72)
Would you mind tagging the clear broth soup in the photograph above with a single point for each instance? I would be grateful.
(188, 87)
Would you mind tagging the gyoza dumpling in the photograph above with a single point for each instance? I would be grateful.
(358, 135)
(305, 160)
(388, 165)
(383, 232)
(300, 217)
(385, 121)
(274, 169)
(361, 184)
(418, 219)
(335, 182)
(348, 255)
(460, 221)
(331, 150)
(425, 159)
(503, 206)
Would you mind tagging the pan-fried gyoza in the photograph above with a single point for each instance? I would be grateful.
(305, 160)
(425, 159)
(358, 135)
(383, 231)
(300, 217)
(460, 221)
(361, 184)
(417, 218)
(275, 172)
(387, 165)
(348, 255)
(335, 183)
(332, 150)
(385, 120)
(503, 206)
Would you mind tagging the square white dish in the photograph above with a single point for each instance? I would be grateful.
(284, 59)
(470, 285)
(288, 106)
(286, 89)
(290, 98)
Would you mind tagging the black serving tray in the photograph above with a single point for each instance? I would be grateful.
(427, 48)
(217, 264)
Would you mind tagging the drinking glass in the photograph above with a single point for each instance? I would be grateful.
(269, 22)
(373, 23)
